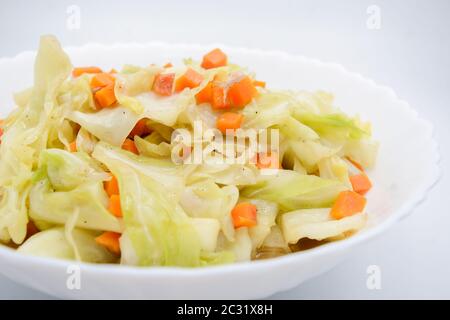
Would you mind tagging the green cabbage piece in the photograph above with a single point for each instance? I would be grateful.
(27, 134)
(333, 126)
(153, 146)
(66, 170)
(205, 199)
(53, 243)
(292, 190)
(158, 229)
(66, 183)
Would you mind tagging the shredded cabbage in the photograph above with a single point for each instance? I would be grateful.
(78, 169)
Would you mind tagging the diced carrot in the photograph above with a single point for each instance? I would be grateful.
(348, 203)
(114, 205)
(229, 121)
(164, 83)
(101, 80)
(219, 99)
(242, 92)
(140, 129)
(360, 183)
(356, 164)
(205, 95)
(112, 186)
(130, 146)
(190, 79)
(269, 160)
(110, 240)
(213, 59)
(258, 83)
(76, 72)
(112, 71)
(73, 146)
(168, 65)
(244, 215)
(105, 97)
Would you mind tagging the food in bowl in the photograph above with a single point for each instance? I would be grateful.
(190, 165)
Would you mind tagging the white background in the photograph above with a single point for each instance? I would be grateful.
(410, 53)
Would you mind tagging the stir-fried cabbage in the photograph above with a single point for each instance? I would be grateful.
(97, 164)
(292, 190)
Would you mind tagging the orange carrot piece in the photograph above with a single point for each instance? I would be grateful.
(258, 83)
(112, 71)
(190, 79)
(205, 95)
(73, 146)
(241, 92)
(140, 129)
(347, 204)
(110, 240)
(76, 72)
(114, 205)
(168, 65)
(229, 121)
(101, 80)
(244, 215)
(219, 99)
(112, 186)
(163, 84)
(269, 160)
(130, 146)
(213, 59)
(360, 183)
(105, 97)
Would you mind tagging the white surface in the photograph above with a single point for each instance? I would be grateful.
(409, 53)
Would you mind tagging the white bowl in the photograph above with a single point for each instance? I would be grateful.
(406, 169)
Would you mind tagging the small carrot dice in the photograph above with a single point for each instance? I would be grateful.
(213, 59)
(244, 215)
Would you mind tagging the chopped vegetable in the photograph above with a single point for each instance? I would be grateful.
(112, 186)
(204, 95)
(244, 215)
(104, 164)
(105, 97)
(213, 59)
(101, 80)
(73, 146)
(360, 183)
(242, 92)
(347, 204)
(219, 99)
(163, 84)
(114, 205)
(79, 71)
(129, 145)
(229, 121)
(190, 79)
(110, 240)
